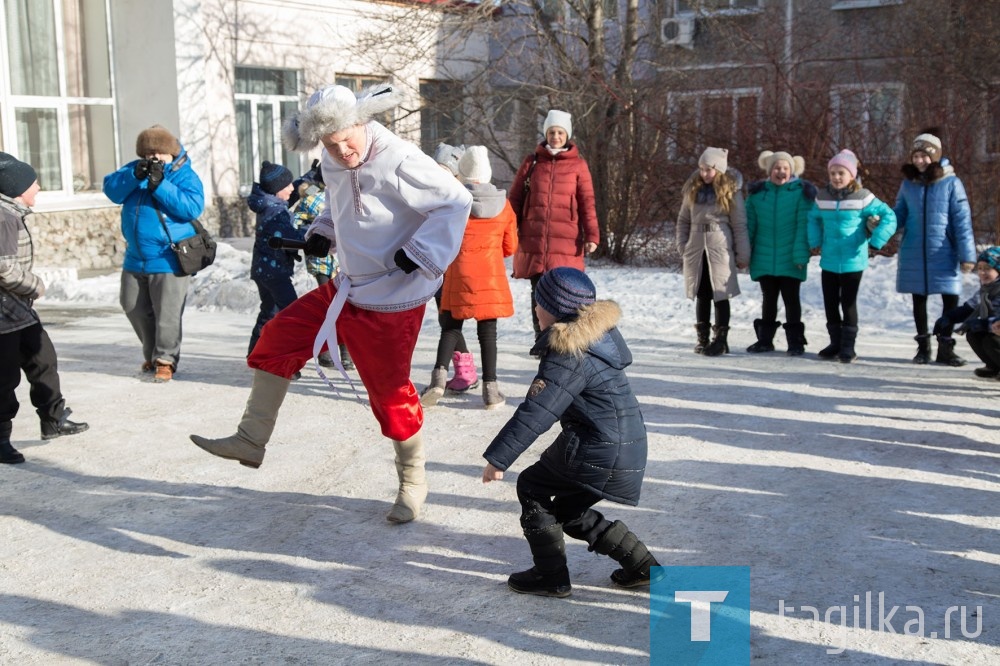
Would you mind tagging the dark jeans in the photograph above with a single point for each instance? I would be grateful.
(705, 298)
(276, 293)
(460, 344)
(948, 302)
(451, 333)
(36, 356)
(547, 499)
(840, 293)
(771, 286)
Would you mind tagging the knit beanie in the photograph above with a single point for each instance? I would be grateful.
(15, 176)
(768, 159)
(274, 177)
(563, 291)
(715, 158)
(157, 139)
(927, 143)
(991, 256)
(448, 156)
(558, 119)
(474, 167)
(846, 159)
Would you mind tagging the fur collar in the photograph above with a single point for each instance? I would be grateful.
(936, 171)
(575, 336)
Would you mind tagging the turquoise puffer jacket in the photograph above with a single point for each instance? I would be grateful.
(837, 226)
(777, 217)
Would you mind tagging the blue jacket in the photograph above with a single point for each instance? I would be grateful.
(837, 225)
(273, 219)
(180, 197)
(932, 211)
(581, 382)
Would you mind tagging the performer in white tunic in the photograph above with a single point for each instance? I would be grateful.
(396, 221)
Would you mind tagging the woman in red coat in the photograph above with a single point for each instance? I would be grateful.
(553, 197)
(475, 284)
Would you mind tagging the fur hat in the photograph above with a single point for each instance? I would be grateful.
(157, 139)
(474, 167)
(15, 176)
(927, 143)
(715, 158)
(333, 109)
(846, 159)
(274, 177)
(991, 256)
(563, 291)
(767, 160)
(558, 119)
(448, 156)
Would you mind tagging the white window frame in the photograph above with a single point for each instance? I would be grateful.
(895, 145)
(257, 100)
(700, 96)
(729, 11)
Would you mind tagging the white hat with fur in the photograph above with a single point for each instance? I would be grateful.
(767, 159)
(333, 109)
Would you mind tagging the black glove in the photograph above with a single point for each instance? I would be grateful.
(155, 174)
(404, 262)
(940, 325)
(317, 245)
(141, 169)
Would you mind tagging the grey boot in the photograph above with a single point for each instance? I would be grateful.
(923, 356)
(492, 397)
(247, 446)
(412, 480)
(624, 547)
(433, 393)
(831, 351)
(701, 329)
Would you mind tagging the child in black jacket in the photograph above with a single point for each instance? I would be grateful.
(979, 317)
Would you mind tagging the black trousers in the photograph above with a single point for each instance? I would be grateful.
(451, 334)
(547, 499)
(987, 347)
(771, 286)
(705, 298)
(948, 302)
(840, 294)
(29, 349)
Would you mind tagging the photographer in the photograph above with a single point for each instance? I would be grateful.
(159, 192)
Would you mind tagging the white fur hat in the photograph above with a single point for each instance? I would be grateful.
(335, 108)
(474, 166)
(559, 119)
(767, 159)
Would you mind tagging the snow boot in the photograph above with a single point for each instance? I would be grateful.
(434, 391)
(247, 445)
(719, 344)
(795, 334)
(831, 351)
(701, 330)
(492, 397)
(550, 575)
(848, 335)
(946, 352)
(52, 428)
(345, 357)
(8, 454)
(923, 356)
(465, 373)
(765, 336)
(624, 547)
(412, 480)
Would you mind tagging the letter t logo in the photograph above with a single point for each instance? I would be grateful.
(701, 606)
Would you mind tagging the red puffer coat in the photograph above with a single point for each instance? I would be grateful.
(559, 217)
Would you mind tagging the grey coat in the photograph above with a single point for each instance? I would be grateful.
(19, 287)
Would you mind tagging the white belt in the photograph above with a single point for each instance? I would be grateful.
(328, 335)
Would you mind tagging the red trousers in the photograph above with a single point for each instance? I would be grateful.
(381, 345)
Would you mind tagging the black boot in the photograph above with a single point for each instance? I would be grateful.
(8, 454)
(831, 351)
(765, 336)
(848, 335)
(701, 329)
(52, 428)
(624, 547)
(719, 344)
(796, 336)
(550, 575)
(946, 352)
(923, 356)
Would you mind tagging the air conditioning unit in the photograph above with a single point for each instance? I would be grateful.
(678, 31)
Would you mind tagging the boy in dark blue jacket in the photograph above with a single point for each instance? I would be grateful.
(978, 317)
(601, 451)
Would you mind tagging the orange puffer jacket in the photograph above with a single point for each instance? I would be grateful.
(559, 217)
(475, 284)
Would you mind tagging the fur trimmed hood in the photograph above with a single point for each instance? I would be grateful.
(333, 109)
(936, 171)
(580, 334)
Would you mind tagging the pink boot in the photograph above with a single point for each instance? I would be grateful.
(465, 373)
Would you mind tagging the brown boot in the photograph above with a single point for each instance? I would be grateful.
(412, 480)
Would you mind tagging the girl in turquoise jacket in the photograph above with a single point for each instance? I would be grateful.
(845, 219)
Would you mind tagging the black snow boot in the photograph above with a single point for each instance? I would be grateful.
(624, 547)
(701, 329)
(946, 352)
(8, 454)
(796, 336)
(52, 428)
(719, 344)
(765, 336)
(923, 356)
(848, 335)
(550, 575)
(832, 350)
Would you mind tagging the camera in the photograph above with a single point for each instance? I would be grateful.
(154, 160)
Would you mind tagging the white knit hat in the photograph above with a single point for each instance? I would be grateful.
(333, 109)
(559, 119)
(767, 159)
(474, 166)
(716, 158)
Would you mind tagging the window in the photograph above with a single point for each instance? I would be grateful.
(868, 119)
(440, 114)
(265, 98)
(715, 6)
(724, 118)
(59, 116)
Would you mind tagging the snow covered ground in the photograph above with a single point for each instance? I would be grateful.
(834, 483)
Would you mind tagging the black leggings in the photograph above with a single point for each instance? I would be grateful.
(706, 297)
(948, 302)
(788, 287)
(451, 333)
(840, 292)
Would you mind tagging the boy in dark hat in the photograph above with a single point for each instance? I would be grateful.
(21, 334)
(978, 317)
(601, 451)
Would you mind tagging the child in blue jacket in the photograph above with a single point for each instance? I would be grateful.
(979, 317)
(845, 219)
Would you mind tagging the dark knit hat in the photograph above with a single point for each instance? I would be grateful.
(991, 256)
(15, 176)
(157, 139)
(274, 177)
(563, 291)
